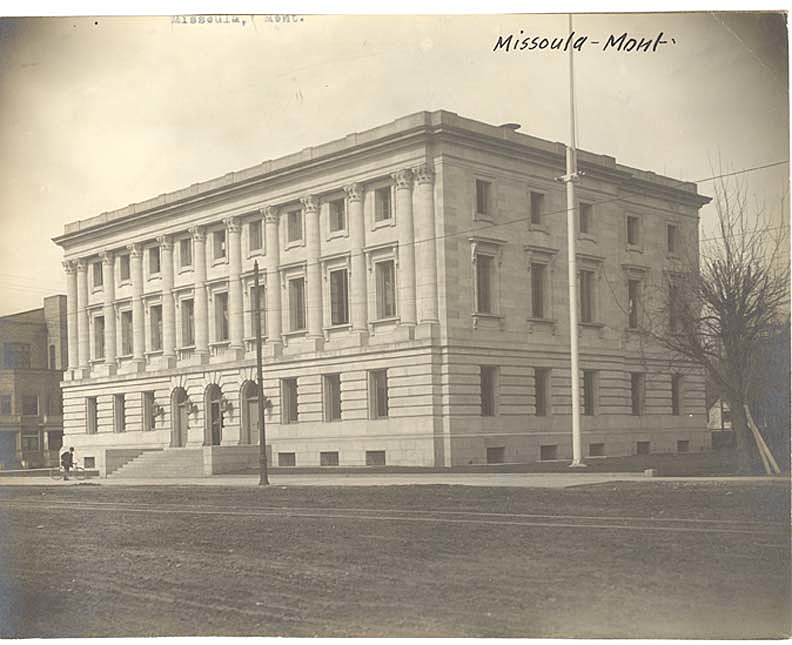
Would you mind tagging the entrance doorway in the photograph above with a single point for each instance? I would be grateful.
(180, 416)
(214, 415)
(250, 420)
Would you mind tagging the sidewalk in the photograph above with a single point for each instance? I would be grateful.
(520, 480)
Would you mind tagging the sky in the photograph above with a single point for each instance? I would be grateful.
(101, 112)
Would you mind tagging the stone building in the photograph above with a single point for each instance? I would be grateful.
(33, 345)
(415, 309)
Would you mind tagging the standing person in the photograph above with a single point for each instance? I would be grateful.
(67, 461)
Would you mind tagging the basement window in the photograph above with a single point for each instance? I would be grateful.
(375, 457)
(548, 453)
(596, 450)
(642, 447)
(286, 459)
(496, 455)
(683, 446)
(328, 458)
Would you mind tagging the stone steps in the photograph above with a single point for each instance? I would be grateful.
(171, 462)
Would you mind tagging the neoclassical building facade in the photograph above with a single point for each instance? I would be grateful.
(413, 296)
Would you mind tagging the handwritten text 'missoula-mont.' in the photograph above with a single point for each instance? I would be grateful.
(623, 42)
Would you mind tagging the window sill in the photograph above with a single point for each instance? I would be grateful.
(186, 269)
(486, 219)
(539, 228)
(478, 317)
(294, 244)
(220, 343)
(383, 223)
(295, 333)
(154, 276)
(384, 321)
(591, 325)
(154, 352)
(255, 253)
(541, 321)
(333, 235)
(337, 327)
(218, 261)
(98, 289)
(634, 248)
(586, 236)
(125, 283)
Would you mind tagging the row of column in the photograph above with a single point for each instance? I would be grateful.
(417, 301)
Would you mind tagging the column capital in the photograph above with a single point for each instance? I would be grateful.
(354, 192)
(271, 214)
(197, 233)
(424, 174)
(82, 265)
(107, 257)
(310, 203)
(165, 242)
(69, 266)
(403, 178)
(135, 250)
(232, 224)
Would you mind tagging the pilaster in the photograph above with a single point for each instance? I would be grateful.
(201, 304)
(138, 313)
(272, 289)
(168, 305)
(358, 299)
(83, 334)
(425, 245)
(235, 306)
(313, 273)
(108, 287)
(70, 267)
(404, 223)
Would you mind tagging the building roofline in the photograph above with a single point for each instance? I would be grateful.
(418, 124)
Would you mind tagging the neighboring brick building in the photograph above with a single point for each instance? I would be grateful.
(33, 345)
(416, 308)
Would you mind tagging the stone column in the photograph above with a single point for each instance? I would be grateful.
(425, 245)
(313, 269)
(201, 308)
(235, 307)
(71, 313)
(168, 305)
(108, 286)
(358, 302)
(273, 288)
(83, 333)
(138, 313)
(404, 224)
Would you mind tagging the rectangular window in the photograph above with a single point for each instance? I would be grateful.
(671, 238)
(328, 458)
(386, 289)
(188, 322)
(289, 409)
(596, 450)
(99, 337)
(30, 405)
(375, 457)
(331, 393)
(484, 265)
(154, 260)
(262, 307)
(337, 215)
(538, 277)
(16, 355)
(586, 295)
(126, 333)
(378, 393)
(149, 419)
(683, 446)
(483, 196)
(637, 393)
(382, 205)
(548, 453)
(632, 230)
(221, 316)
(286, 459)
(5, 405)
(155, 321)
(123, 267)
(496, 455)
(297, 304)
(339, 299)
(589, 395)
(633, 303)
(219, 245)
(89, 462)
(98, 278)
(676, 394)
(91, 417)
(294, 231)
(642, 447)
(31, 442)
(537, 208)
(185, 252)
(119, 413)
(254, 235)
(542, 391)
(488, 378)
(585, 218)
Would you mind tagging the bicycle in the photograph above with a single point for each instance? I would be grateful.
(77, 471)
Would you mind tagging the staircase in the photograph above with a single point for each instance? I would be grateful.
(163, 464)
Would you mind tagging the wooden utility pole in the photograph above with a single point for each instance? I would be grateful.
(263, 479)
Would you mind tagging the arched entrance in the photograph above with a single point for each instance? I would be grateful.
(180, 415)
(250, 425)
(214, 415)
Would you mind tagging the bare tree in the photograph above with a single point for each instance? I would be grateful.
(721, 306)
